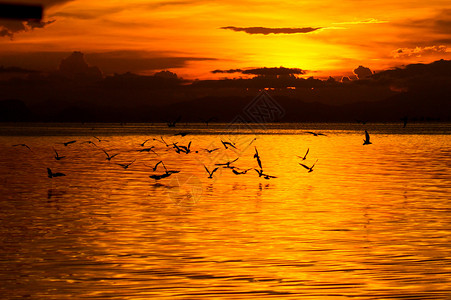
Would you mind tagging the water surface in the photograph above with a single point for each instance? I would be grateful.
(370, 222)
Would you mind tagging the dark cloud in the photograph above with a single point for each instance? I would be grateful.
(10, 27)
(15, 70)
(266, 30)
(263, 71)
(139, 61)
(363, 72)
(229, 71)
(108, 62)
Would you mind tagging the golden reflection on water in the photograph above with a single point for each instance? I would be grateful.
(370, 222)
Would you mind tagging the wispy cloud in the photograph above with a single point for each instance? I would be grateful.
(267, 30)
(366, 21)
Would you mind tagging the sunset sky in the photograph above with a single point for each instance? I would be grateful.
(193, 38)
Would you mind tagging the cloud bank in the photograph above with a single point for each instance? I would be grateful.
(263, 71)
(267, 30)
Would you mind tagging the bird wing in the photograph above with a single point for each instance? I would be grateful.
(234, 160)
(155, 168)
(308, 168)
(207, 170)
(105, 153)
(367, 136)
(259, 162)
(305, 156)
(314, 164)
(49, 172)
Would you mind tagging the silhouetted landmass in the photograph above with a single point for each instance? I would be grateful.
(78, 92)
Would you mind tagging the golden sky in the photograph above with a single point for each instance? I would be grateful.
(193, 38)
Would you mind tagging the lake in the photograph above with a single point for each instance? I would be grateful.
(369, 222)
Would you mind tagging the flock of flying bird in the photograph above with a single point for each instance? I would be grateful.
(179, 149)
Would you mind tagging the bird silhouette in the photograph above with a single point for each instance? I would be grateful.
(182, 133)
(212, 172)
(57, 157)
(212, 150)
(98, 139)
(108, 156)
(67, 143)
(23, 145)
(147, 150)
(310, 169)
(228, 144)
(315, 133)
(236, 171)
(258, 158)
(125, 166)
(305, 156)
(164, 175)
(265, 176)
(156, 165)
(185, 149)
(143, 143)
(89, 142)
(51, 174)
(366, 141)
(227, 164)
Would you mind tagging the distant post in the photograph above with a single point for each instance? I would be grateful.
(20, 11)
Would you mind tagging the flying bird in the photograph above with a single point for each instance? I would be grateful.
(154, 168)
(68, 143)
(57, 157)
(125, 166)
(182, 133)
(236, 172)
(258, 158)
(366, 141)
(227, 164)
(228, 143)
(315, 133)
(212, 150)
(310, 169)
(109, 157)
(185, 149)
(51, 174)
(143, 143)
(98, 139)
(305, 156)
(23, 145)
(147, 150)
(212, 172)
(265, 176)
(89, 142)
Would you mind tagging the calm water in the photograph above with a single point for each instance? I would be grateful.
(370, 222)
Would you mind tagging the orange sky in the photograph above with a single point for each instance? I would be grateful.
(186, 36)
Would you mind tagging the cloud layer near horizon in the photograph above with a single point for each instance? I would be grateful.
(267, 30)
(263, 71)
